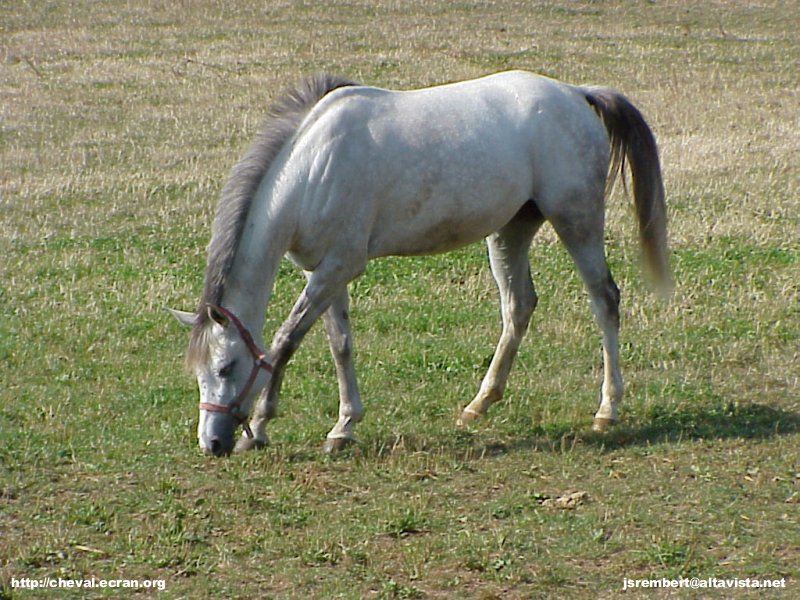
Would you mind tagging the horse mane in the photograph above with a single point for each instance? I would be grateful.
(281, 123)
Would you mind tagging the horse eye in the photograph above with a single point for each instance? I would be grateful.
(227, 370)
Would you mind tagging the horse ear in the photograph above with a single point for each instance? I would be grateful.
(183, 317)
(216, 315)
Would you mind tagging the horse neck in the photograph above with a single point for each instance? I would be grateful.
(265, 240)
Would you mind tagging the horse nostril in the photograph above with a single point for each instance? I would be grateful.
(216, 446)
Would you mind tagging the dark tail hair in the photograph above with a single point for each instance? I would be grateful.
(632, 140)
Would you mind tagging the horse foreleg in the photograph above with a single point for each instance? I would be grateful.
(326, 285)
(340, 338)
(266, 409)
(508, 255)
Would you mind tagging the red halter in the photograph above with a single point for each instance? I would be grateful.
(259, 362)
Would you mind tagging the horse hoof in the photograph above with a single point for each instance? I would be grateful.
(468, 417)
(336, 445)
(602, 424)
(246, 444)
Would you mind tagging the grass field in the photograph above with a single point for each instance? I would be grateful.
(119, 122)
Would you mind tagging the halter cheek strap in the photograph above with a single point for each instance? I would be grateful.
(259, 362)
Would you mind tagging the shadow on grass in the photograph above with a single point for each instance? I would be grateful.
(671, 424)
(659, 425)
(668, 424)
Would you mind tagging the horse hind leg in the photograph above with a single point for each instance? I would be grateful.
(508, 255)
(606, 308)
(584, 241)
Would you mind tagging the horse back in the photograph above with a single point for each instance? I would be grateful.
(429, 170)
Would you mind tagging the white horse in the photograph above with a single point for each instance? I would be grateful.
(343, 173)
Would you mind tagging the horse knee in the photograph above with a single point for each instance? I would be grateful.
(521, 309)
(339, 339)
(341, 346)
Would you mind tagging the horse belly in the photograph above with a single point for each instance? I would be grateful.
(445, 215)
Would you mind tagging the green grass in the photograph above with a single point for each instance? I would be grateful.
(119, 125)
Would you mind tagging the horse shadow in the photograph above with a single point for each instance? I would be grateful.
(663, 425)
(669, 425)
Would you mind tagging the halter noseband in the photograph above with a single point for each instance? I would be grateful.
(259, 362)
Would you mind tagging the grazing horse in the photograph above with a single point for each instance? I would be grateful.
(344, 173)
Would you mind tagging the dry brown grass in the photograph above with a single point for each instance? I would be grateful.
(118, 124)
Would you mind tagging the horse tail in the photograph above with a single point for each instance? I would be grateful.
(631, 139)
